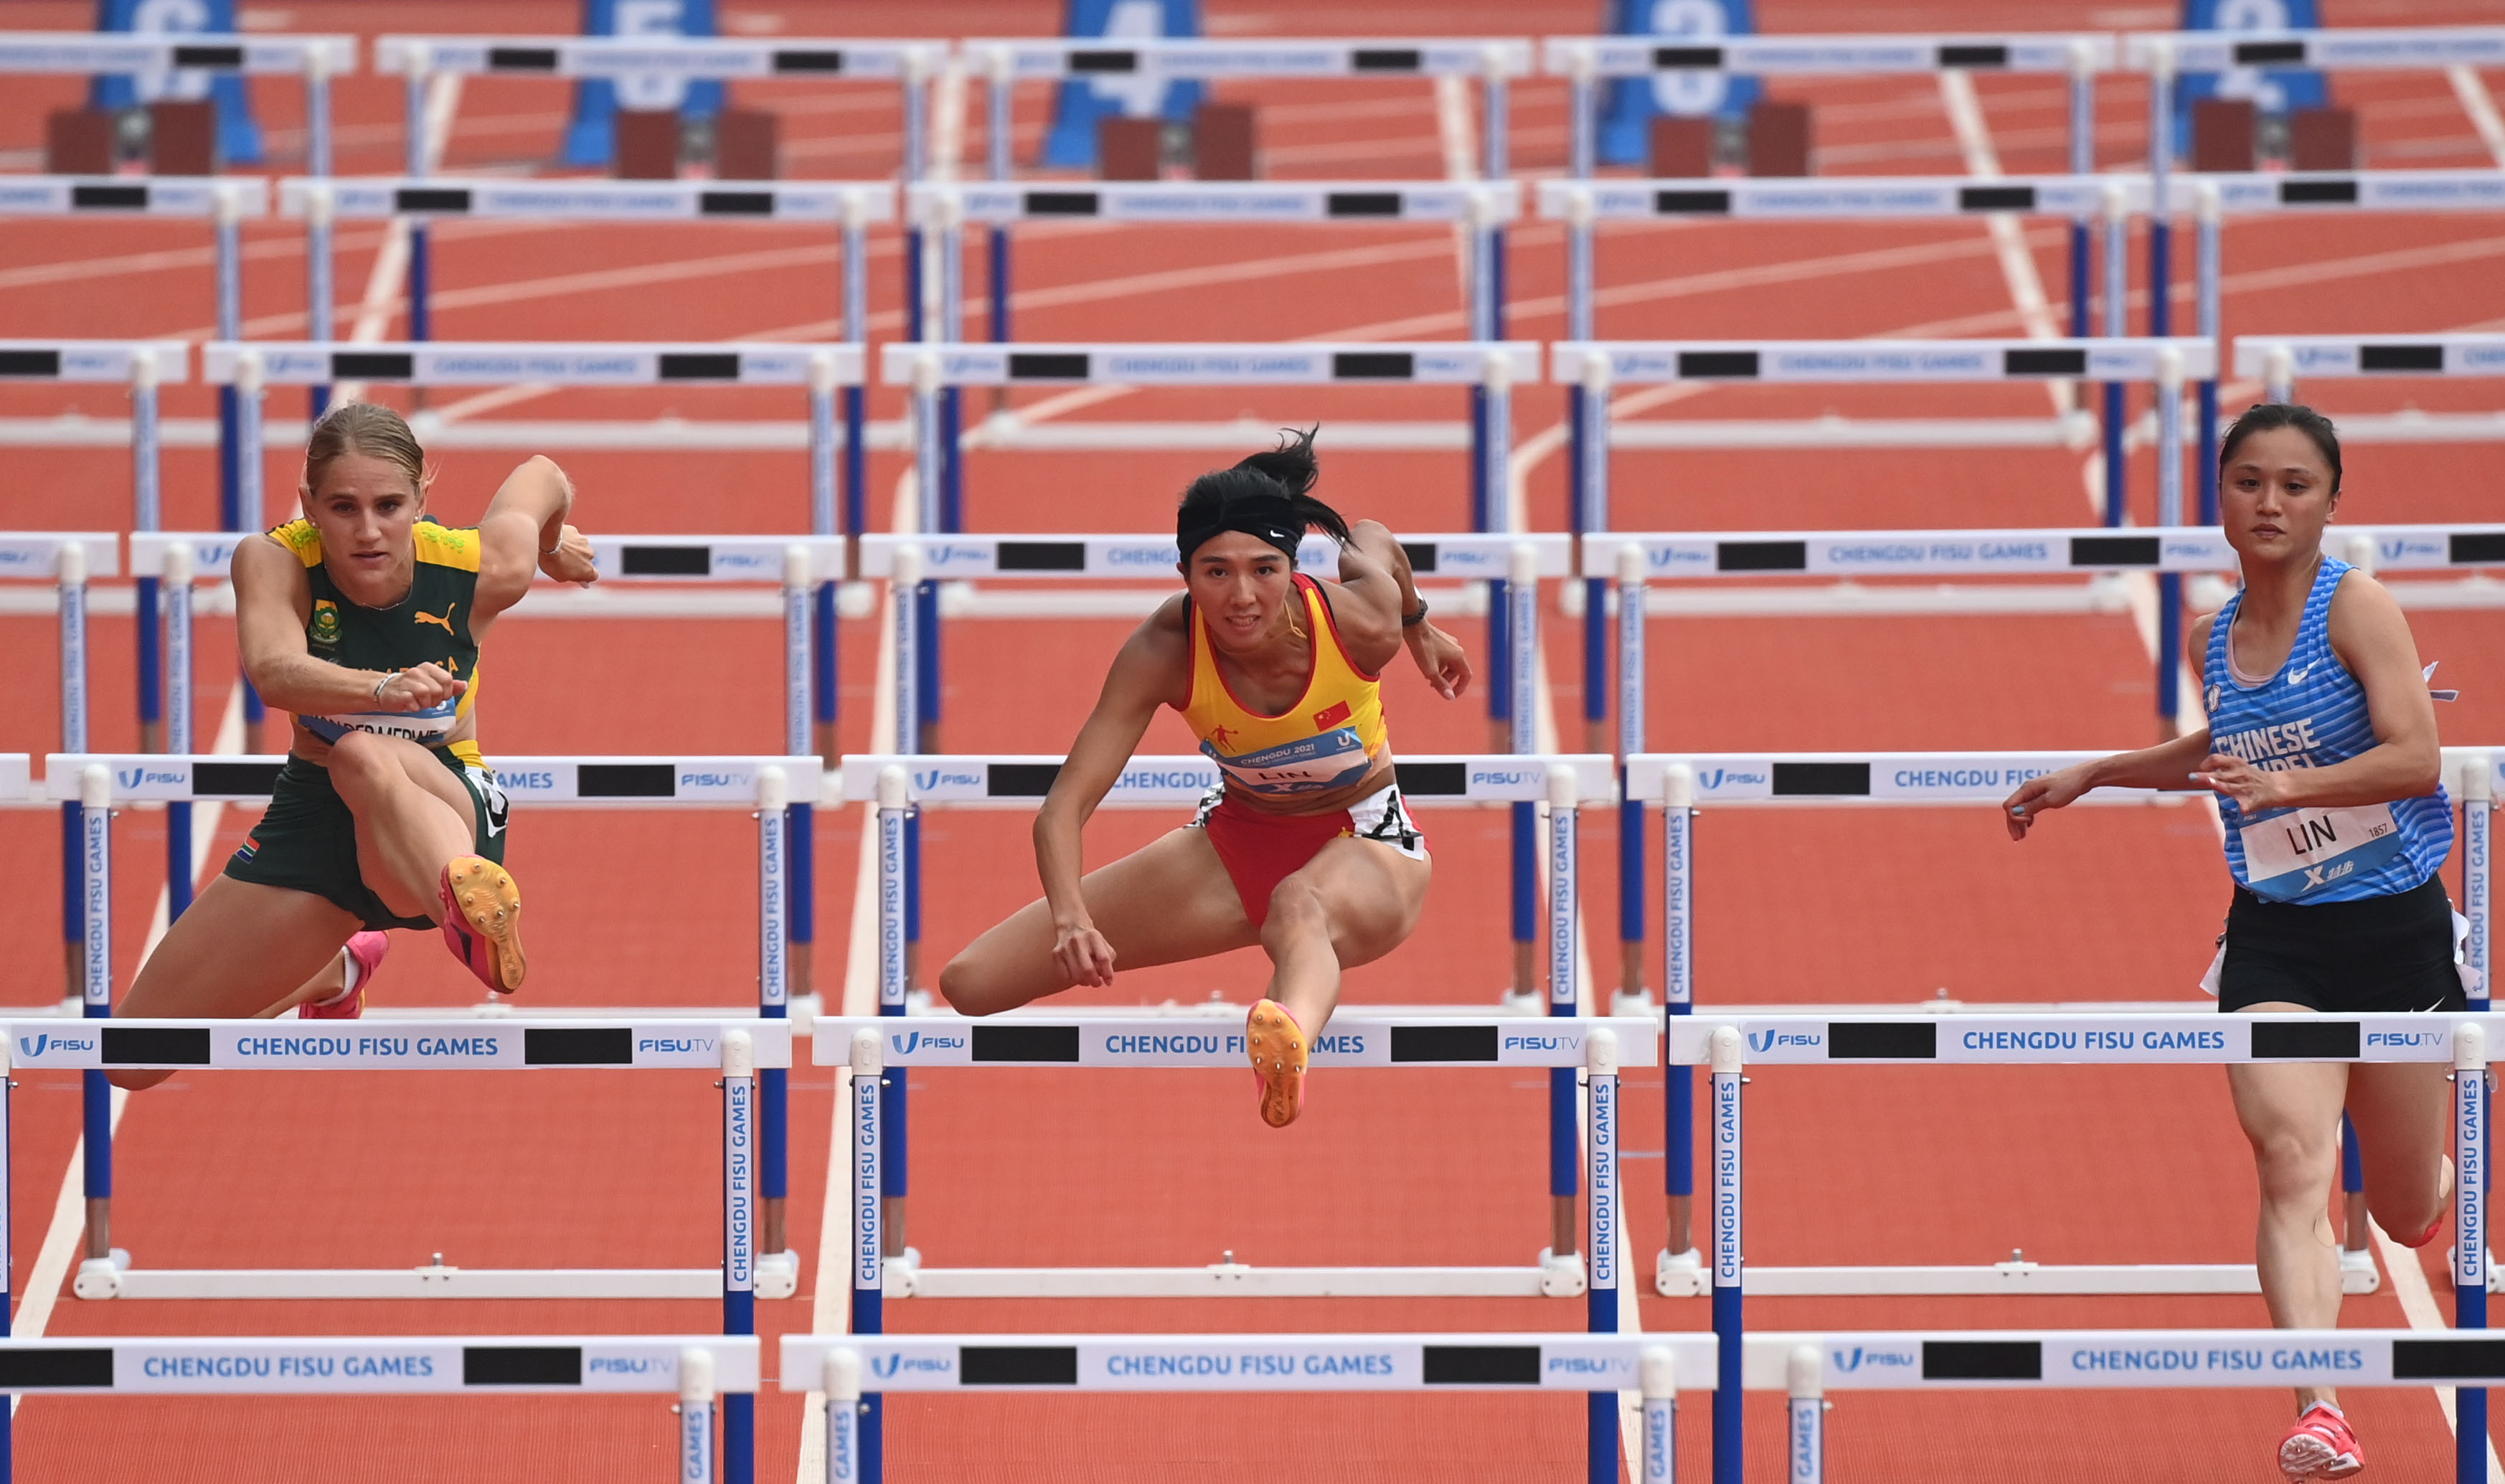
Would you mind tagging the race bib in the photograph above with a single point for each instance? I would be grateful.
(2291, 855)
(428, 727)
(1311, 766)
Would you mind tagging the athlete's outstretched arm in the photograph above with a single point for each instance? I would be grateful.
(524, 531)
(273, 599)
(1374, 570)
(1152, 669)
(2169, 764)
(2370, 635)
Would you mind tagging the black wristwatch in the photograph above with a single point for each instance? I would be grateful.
(1412, 621)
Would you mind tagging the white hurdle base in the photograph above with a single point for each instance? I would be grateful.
(777, 1275)
(1678, 1275)
(1554, 1278)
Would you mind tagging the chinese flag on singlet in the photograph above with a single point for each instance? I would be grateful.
(1334, 717)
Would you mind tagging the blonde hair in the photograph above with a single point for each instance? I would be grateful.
(361, 427)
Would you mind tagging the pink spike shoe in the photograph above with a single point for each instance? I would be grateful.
(2320, 1446)
(366, 952)
(482, 920)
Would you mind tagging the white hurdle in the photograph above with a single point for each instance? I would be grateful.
(1727, 1042)
(766, 785)
(418, 60)
(734, 1047)
(1679, 785)
(1597, 366)
(692, 1369)
(1564, 1042)
(848, 207)
(66, 560)
(908, 783)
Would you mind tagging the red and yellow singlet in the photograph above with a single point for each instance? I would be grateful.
(1328, 739)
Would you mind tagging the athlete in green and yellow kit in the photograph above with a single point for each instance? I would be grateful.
(364, 619)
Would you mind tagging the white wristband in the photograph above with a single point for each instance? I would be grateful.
(387, 679)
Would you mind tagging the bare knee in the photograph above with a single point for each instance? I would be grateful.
(2294, 1169)
(360, 764)
(972, 987)
(137, 1078)
(1296, 912)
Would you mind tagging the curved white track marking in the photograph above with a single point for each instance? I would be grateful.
(62, 1237)
(2476, 102)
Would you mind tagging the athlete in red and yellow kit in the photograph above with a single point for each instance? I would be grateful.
(1304, 847)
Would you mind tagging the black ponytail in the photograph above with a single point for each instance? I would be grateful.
(1269, 495)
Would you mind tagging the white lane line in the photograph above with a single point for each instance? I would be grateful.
(831, 1302)
(2481, 105)
(62, 1238)
(2417, 1305)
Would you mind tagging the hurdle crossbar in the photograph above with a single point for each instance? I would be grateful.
(450, 197)
(1021, 782)
(1882, 198)
(1745, 554)
(2279, 358)
(2318, 191)
(256, 54)
(1096, 557)
(181, 196)
(378, 1366)
(1209, 59)
(1837, 56)
(1445, 363)
(797, 58)
(2360, 49)
(1223, 201)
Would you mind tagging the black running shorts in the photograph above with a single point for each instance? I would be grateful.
(2373, 955)
(307, 839)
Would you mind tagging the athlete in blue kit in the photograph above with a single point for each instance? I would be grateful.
(2321, 749)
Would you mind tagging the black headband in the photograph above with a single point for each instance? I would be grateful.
(1273, 518)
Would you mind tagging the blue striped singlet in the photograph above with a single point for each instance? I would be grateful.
(2312, 714)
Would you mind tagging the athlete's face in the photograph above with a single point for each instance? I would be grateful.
(1240, 584)
(365, 509)
(2275, 496)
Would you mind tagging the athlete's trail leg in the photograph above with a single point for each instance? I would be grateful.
(2403, 1112)
(242, 949)
(413, 818)
(2291, 1114)
(1169, 902)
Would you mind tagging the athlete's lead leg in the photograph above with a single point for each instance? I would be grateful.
(413, 818)
(1352, 903)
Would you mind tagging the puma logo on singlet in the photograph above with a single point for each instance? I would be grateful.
(444, 622)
